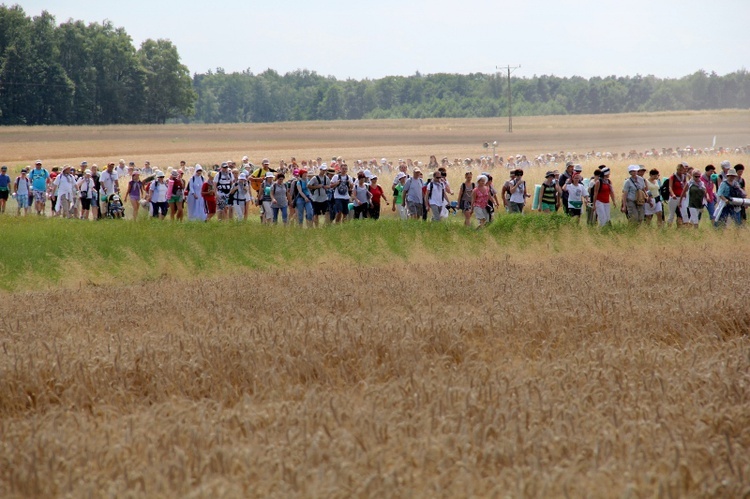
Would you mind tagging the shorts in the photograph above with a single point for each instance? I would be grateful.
(175, 199)
(548, 207)
(267, 210)
(210, 206)
(481, 213)
(40, 196)
(85, 204)
(221, 201)
(464, 206)
(320, 207)
(415, 209)
(515, 207)
(341, 206)
(574, 212)
(160, 208)
(22, 200)
(649, 210)
(4, 195)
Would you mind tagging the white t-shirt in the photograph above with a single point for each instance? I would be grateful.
(158, 192)
(107, 182)
(65, 184)
(518, 195)
(575, 193)
(436, 190)
(87, 187)
(347, 180)
(24, 184)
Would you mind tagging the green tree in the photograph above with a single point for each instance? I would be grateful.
(168, 89)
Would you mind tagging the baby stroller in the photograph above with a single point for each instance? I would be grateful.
(115, 209)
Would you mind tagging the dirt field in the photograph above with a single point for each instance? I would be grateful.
(393, 139)
(573, 366)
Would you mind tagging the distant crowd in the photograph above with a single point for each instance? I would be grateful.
(314, 191)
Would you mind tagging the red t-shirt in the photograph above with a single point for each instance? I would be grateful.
(604, 190)
(677, 186)
(377, 193)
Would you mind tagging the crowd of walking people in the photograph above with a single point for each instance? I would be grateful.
(315, 191)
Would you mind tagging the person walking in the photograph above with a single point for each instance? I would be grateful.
(361, 197)
(319, 186)
(677, 183)
(603, 197)
(5, 182)
(280, 199)
(87, 192)
(157, 195)
(695, 192)
(634, 196)
(576, 196)
(135, 192)
(194, 192)
(304, 206)
(435, 196)
(376, 194)
(413, 195)
(66, 191)
(480, 196)
(654, 205)
(466, 196)
(22, 192)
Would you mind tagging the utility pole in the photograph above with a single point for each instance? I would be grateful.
(510, 96)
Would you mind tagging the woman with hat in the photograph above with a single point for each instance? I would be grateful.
(135, 192)
(157, 195)
(87, 189)
(66, 189)
(603, 195)
(175, 199)
(208, 193)
(729, 188)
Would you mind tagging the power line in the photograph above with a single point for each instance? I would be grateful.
(510, 96)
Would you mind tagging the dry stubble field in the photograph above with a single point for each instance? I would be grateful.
(582, 368)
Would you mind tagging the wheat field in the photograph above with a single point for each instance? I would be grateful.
(563, 374)
(565, 363)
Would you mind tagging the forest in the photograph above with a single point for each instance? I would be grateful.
(91, 74)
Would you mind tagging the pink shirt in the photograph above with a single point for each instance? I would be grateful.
(481, 197)
(710, 194)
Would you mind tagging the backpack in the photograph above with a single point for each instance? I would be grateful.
(664, 190)
(343, 188)
(293, 189)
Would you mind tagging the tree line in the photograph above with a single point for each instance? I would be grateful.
(79, 74)
(86, 74)
(304, 95)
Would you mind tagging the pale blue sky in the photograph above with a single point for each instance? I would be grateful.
(666, 38)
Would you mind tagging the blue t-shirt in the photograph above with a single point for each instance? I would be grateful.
(4, 182)
(304, 188)
(39, 179)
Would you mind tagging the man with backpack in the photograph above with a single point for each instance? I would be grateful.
(22, 190)
(319, 186)
(435, 196)
(341, 184)
(634, 196)
(413, 195)
(40, 182)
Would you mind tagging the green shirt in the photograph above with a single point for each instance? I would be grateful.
(399, 194)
